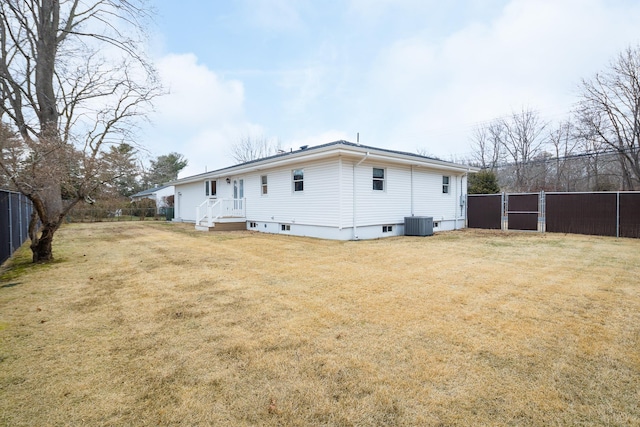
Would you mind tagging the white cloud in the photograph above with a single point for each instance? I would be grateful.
(197, 95)
(533, 53)
(200, 117)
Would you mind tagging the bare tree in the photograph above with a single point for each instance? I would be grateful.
(523, 141)
(564, 144)
(609, 112)
(72, 81)
(252, 148)
(487, 142)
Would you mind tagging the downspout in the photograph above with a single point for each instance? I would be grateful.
(466, 200)
(412, 208)
(355, 227)
(340, 219)
(455, 213)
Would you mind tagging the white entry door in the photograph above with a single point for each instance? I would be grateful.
(238, 193)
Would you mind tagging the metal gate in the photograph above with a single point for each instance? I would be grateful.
(523, 211)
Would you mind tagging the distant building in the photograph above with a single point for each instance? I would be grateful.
(159, 194)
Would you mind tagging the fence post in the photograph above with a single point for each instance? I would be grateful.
(617, 214)
(504, 217)
(542, 212)
(11, 248)
(20, 214)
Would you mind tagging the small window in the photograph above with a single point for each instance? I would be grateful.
(445, 185)
(378, 179)
(210, 188)
(253, 225)
(298, 180)
(387, 228)
(263, 183)
(285, 227)
(436, 224)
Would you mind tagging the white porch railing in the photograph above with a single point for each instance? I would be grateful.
(212, 209)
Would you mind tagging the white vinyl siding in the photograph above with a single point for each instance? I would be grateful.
(382, 207)
(187, 197)
(317, 204)
(429, 200)
(326, 205)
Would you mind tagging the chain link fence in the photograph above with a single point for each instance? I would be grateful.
(15, 213)
(120, 214)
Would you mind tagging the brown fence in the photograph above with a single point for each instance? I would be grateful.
(603, 214)
(523, 211)
(484, 211)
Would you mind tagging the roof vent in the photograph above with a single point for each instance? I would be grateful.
(304, 147)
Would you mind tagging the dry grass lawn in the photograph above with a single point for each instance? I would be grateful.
(155, 324)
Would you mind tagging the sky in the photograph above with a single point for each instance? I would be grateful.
(406, 75)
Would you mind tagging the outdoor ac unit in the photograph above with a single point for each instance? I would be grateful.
(418, 226)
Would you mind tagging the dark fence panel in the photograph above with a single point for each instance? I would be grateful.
(582, 213)
(601, 214)
(5, 230)
(522, 212)
(15, 212)
(484, 211)
(630, 215)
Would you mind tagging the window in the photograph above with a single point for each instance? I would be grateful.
(210, 188)
(285, 227)
(253, 225)
(263, 183)
(378, 179)
(387, 228)
(298, 180)
(445, 185)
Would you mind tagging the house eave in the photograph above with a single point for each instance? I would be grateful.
(342, 149)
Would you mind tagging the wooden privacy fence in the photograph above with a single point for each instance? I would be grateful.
(15, 212)
(603, 213)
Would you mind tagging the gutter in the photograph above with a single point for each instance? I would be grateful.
(323, 153)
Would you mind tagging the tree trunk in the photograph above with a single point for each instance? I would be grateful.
(47, 205)
(41, 247)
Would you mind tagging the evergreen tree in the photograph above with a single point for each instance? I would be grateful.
(483, 182)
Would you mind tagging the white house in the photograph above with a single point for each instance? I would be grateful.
(339, 190)
(159, 194)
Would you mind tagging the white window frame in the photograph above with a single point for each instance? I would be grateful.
(264, 185)
(446, 184)
(295, 181)
(377, 179)
(208, 187)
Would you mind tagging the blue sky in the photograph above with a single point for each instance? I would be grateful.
(405, 74)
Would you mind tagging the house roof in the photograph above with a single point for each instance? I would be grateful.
(150, 191)
(344, 148)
